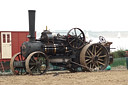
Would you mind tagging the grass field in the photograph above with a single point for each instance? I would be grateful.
(118, 62)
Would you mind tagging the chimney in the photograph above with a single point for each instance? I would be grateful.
(31, 35)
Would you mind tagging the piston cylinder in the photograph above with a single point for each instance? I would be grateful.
(54, 49)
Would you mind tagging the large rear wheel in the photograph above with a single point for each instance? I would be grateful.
(95, 57)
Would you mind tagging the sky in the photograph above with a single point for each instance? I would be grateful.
(89, 15)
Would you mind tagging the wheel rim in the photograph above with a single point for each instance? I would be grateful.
(94, 56)
(17, 70)
(37, 63)
(76, 38)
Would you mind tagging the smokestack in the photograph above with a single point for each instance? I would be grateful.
(31, 25)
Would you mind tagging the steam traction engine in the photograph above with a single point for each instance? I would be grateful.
(69, 51)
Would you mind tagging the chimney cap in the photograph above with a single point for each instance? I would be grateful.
(31, 10)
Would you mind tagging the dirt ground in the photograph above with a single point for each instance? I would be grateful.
(113, 77)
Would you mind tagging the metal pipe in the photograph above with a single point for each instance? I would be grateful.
(31, 25)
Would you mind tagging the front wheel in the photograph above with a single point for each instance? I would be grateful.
(37, 63)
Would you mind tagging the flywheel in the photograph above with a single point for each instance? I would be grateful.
(94, 56)
(76, 38)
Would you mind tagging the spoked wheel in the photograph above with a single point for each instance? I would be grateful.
(37, 63)
(76, 38)
(17, 64)
(95, 57)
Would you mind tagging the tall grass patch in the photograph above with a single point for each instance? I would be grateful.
(119, 62)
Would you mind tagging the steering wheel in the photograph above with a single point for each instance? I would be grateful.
(102, 39)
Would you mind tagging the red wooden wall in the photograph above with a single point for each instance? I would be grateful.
(17, 39)
(0, 46)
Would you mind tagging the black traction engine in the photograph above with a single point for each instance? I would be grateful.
(70, 51)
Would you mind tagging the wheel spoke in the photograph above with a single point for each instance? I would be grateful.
(88, 57)
(33, 59)
(95, 50)
(102, 56)
(90, 52)
(32, 63)
(32, 67)
(75, 44)
(75, 32)
(100, 60)
(97, 64)
(99, 50)
(79, 35)
(99, 53)
(80, 40)
(88, 62)
(21, 58)
(18, 57)
(93, 65)
(71, 41)
(92, 48)
(90, 65)
(101, 63)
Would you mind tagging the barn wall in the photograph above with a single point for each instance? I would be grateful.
(17, 39)
(22, 37)
(0, 46)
